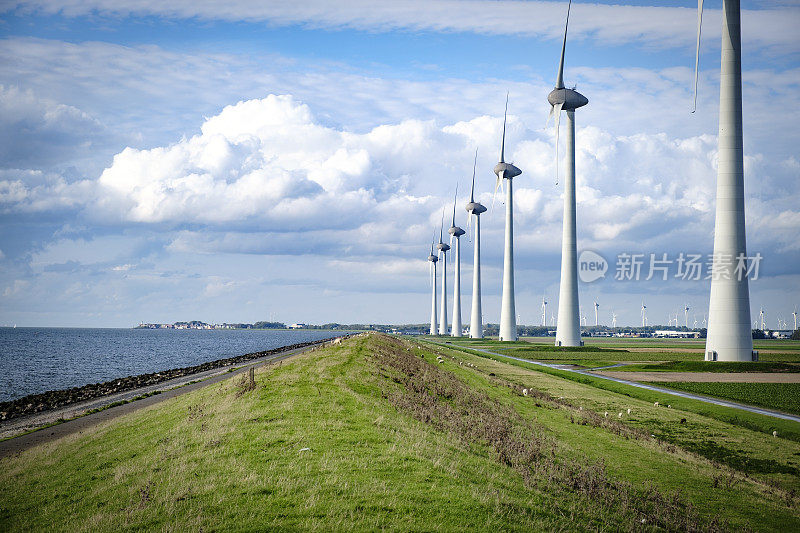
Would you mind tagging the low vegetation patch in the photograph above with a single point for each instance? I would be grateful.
(712, 366)
(779, 396)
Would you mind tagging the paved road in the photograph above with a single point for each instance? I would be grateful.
(79, 425)
(706, 399)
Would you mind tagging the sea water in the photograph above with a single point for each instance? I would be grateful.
(34, 360)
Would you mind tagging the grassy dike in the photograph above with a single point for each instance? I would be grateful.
(375, 434)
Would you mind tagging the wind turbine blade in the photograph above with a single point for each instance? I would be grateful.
(697, 52)
(441, 225)
(474, 166)
(549, 116)
(455, 198)
(560, 76)
(496, 186)
(558, 121)
(503, 144)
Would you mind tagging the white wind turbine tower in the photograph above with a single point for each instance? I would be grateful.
(644, 315)
(613, 319)
(729, 337)
(443, 248)
(476, 208)
(794, 314)
(596, 317)
(686, 314)
(433, 259)
(456, 233)
(544, 311)
(568, 332)
(507, 171)
(763, 319)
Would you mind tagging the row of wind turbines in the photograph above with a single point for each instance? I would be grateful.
(729, 336)
(568, 328)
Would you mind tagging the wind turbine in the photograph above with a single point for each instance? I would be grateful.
(596, 317)
(568, 332)
(644, 315)
(686, 314)
(456, 233)
(794, 314)
(433, 259)
(729, 337)
(544, 311)
(507, 171)
(613, 319)
(476, 208)
(763, 319)
(443, 248)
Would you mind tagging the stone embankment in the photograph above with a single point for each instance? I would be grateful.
(37, 403)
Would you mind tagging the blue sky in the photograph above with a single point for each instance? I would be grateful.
(237, 161)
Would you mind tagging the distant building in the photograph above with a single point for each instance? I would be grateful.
(676, 334)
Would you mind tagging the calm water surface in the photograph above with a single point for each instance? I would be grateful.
(34, 360)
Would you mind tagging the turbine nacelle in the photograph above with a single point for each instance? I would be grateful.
(432, 258)
(455, 231)
(442, 247)
(508, 170)
(569, 99)
(475, 208)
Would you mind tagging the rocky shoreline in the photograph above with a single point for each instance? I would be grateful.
(45, 401)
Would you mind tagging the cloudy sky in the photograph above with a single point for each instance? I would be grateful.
(242, 161)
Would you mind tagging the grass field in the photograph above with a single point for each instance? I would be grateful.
(601, 351)
(781, 396)
(711, 366)
(376, 434)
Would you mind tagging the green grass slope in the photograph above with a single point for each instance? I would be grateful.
(376, 434)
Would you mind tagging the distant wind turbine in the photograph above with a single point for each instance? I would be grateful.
(763, 319)
(644, 315)
(686, 314)
(794, 314)
(456, 233)
(443, 248)
(475, 209)
(613, 319)
(568, 332)
(544, 311)
(596, 316)
(433, 259)
(507, 171)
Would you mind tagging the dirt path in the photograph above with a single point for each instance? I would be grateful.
(168, 389)
(707, 377)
